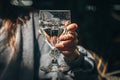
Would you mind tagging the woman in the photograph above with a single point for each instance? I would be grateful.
(23, 50)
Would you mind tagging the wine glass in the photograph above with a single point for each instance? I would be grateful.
(52, 25)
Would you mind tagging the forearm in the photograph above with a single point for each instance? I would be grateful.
(84, 65)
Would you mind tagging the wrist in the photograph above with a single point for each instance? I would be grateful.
(73, 55)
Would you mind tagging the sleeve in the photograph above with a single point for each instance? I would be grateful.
(84, 67)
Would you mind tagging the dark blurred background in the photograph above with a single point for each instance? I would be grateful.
(99, 25)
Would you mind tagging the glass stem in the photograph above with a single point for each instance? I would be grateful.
(55, 53)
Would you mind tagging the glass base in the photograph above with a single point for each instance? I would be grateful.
(55, 67)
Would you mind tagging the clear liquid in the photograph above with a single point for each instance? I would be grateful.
(54, 32)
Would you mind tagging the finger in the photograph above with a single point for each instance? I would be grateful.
(67, 37)
(67, 23)
(66, 45)
(62, 47)
(72, 27)
(68, 41)
(70, 36)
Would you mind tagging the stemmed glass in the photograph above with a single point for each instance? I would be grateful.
(52, 25)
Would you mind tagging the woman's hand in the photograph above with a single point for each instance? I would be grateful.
(68, 42)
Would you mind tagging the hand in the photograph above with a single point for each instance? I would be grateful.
(67, 43)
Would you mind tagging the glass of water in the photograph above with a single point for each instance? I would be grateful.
(52, 25)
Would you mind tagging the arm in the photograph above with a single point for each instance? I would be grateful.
(81, 62)
(85, 61)
(84, 67)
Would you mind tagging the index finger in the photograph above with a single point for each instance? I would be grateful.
(72, 27)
